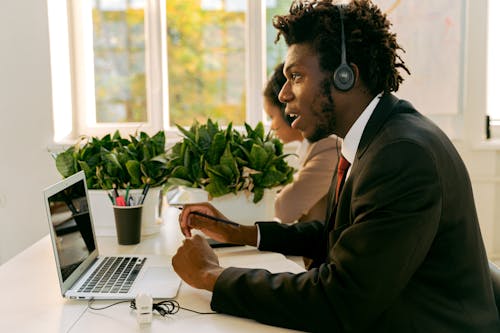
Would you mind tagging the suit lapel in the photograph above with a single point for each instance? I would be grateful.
(379, 116)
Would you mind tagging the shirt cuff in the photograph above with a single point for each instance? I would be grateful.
(258, 235)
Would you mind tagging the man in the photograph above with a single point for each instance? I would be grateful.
(400, 249)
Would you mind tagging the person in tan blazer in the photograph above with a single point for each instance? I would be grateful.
(305, 199)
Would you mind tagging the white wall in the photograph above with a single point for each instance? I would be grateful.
(26, 126)
(25, 123)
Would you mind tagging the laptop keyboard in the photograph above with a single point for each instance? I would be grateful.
(113, 275)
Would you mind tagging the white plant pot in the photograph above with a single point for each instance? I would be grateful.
(237, 207)
(104, 219)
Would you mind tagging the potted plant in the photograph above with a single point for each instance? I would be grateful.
(235, 170)
(122, 162)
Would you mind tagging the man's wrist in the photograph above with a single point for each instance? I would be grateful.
(248, 235)
(211, 276)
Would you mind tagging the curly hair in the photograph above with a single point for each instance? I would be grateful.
(273, 87)
(369, 43)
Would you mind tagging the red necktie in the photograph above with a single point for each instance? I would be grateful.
(342, 168)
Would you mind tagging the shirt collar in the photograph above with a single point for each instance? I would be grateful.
(353, 137)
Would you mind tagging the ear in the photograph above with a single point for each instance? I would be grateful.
(355, 70)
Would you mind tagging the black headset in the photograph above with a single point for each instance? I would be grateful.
(343, 77)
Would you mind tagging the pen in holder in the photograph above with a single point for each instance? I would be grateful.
(128, 214)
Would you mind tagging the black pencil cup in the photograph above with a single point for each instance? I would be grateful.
(128, 224)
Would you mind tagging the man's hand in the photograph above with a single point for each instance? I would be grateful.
(196, 263)
(219, 231)
(212, 229)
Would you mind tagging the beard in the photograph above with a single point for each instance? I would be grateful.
(324, 111)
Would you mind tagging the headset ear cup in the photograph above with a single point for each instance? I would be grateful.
(343, 77)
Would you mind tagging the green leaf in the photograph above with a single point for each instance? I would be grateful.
(180, 172)
(272, 177)
(278, 146)
(189, 135)
(229, 131)
(269, 147)
(241, 162)
(187, 158)
(65, 163)
(227, 160)
(116, 135)
(249, 130)
(215, 170)
(134, 170)
(258, 194)
(195, 169)
(86, 168)
(216, 149)
(217, 186)
(158, 142)
(204, 139)
(259, 131)
(258, 157)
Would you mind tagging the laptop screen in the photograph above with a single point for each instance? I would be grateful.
(72, 228)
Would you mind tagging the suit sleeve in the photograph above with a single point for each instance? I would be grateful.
(312, 184)
(395, 206)
(300, 239)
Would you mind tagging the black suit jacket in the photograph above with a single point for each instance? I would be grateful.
(403, 252)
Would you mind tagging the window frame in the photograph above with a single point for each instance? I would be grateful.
(80, 26)
(492, 123)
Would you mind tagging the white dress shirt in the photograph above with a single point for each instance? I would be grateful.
(353, 137)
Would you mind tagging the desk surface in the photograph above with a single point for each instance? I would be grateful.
(31, 299)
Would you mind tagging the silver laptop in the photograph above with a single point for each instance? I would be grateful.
(83, 273)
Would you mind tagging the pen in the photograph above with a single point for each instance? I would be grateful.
(115, 191)
(126, 194)
(214, 218)
(144, 192)
(111, 198)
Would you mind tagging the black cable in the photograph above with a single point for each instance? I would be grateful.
(164, 308)
(104, 307)
(198, 312)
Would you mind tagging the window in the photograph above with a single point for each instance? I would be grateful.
(151, 64)
(275, 52)
(119, 61)
(117, 75)
(493, 70)
(206, 52)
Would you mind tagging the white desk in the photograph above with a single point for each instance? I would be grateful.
(31, 299)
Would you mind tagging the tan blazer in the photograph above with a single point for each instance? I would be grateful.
(306, 198)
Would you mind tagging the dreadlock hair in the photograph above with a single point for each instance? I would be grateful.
(273, 88)
(369, 43)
